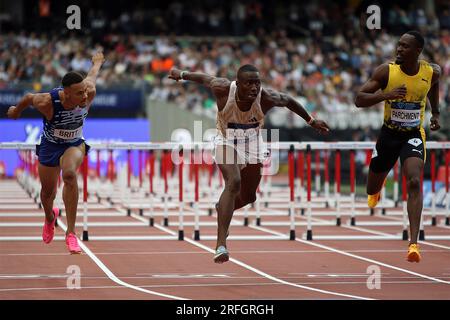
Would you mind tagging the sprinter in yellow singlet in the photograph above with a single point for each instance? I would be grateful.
(404, 85)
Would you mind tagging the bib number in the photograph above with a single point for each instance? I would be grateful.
(68, 134)
(405, 114)
(241, 134)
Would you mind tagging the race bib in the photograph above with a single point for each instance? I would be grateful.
(242, 134)
(405, 114)
(68, 134)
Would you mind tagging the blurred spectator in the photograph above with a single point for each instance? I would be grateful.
(316, 52)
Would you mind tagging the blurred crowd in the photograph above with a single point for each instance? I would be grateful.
(321, 54)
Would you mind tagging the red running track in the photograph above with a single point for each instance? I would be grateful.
(262, 269)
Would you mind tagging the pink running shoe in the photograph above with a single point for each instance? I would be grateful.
(72, 243)
(49, 228)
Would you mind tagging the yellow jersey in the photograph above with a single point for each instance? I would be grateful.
(407, 114)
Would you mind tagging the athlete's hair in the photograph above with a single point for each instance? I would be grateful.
(71, 78)
(419, 38)
(246, 68)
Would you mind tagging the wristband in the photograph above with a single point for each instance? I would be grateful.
(182, 74)
(311, 121)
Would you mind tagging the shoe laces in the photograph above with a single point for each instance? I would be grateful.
(72, 240)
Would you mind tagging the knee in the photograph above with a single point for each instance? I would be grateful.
(233, 185)
(413, 184)
(69, 176)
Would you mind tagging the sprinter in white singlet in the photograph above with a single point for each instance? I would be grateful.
(239, 148)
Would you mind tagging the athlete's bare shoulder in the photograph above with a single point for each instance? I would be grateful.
(379, 78)
(382, 71)
(220, 86)
(437, 71)
(436, 68)
(273, 98)
(42, 99)
(43, 103)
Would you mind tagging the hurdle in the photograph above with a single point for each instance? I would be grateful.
(338, 147)
(294, 202)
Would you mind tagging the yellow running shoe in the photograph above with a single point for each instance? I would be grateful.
(413, 253)
(372, 199)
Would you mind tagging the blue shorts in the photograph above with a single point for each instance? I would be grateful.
(49, 153)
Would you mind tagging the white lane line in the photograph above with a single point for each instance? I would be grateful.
(388, 234)
(111, 275)
(200, 285)
(58, 288)
(317, 245)
(201, 252)
(265, 275)
(432, 244)
(354, 256)
(248, 267)
(47, 277)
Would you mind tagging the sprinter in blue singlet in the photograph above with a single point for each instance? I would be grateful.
(62, 147)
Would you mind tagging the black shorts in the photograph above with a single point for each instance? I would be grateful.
(392, 144)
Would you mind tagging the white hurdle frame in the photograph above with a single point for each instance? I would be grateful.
(291, 146)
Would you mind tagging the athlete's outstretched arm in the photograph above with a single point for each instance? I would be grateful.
(272, 98)
(91, 78)
(199, 77)
(219, 86)
(369, 93)
(433, 96)
(41, 101)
